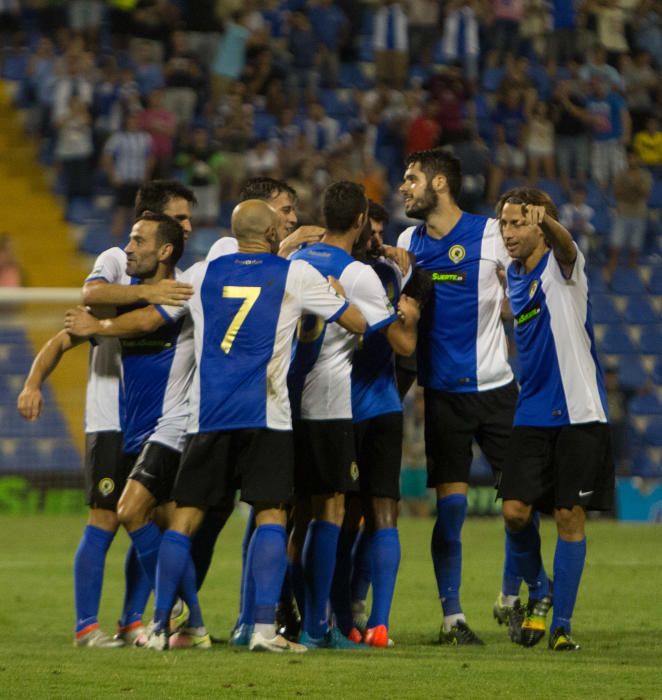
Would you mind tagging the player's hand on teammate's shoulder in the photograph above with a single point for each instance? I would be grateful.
(30, 402)
(409, 310)
(339, 289)
(169, 292)
(400, 256)
(80, 322)
(304, 235)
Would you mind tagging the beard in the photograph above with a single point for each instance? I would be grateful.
(423, 208)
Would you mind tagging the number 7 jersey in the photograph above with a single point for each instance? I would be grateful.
(245, 310)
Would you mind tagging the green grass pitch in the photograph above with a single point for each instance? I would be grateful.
(618, 621)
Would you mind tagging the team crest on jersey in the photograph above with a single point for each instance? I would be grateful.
(533, 288)
(106, 486)
(457, 253)
(354, 471)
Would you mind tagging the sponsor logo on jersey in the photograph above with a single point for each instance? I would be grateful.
(527, 316)
(106, 486)
(248, 262)
(452, 277)
(533, 288)
(457, 253)
(354, 471)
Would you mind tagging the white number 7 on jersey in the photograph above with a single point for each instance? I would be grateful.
(249, 295)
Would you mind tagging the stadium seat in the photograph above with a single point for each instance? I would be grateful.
(643, 465)
(79, 210)
(655, 282)
(656, 374)
(646, 405)
(596, 281)
(653, 432)
(603, 310)
(626, 281)
(616, 341)
(631, 375)
(640, 311)
(554, 190)
(650, 341)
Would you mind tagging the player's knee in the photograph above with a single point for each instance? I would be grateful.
(516, 515)
(570, 523)
(130, 515)
(385, 513)
(103, 519)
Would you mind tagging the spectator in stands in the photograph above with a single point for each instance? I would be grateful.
(597, 69)
(260, 74)
(391, 44)
(41, 79)
(424, 23)
(302, 47)
(505, 31)
(460, 41)
(230, 58)
(128, 162)
(632, 188)
(184, 78)
(647, 29)
(571, 134)
(129, 92)
(85, 19)
(563, 38)
(74, 148)
(610, 131)
(540, 143)
(510, 126)
(640, 80)
(330, 26)
(10, 271)
(424, 129)
(453, 94)
(283, 135)
(232, 136)
(75, 78)
(413, 479)
(161, 125)
(262, 160)
(611, 19)
(534, 30)
(477, 169)
(200, 164)
(148, 70)
(154, 19)
(322, 131)
(106, 108)
(577, 217)
(647, 145)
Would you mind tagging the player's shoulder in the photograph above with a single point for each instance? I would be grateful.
(404, 239)
(223, 246)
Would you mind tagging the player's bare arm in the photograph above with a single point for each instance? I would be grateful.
(557, 236)
(30, 401)
(80, 322)
(168, 292)
(402, 258)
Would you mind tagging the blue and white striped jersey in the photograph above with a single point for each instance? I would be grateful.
(245, 309)
(561, 379)
(374, 388)
(461, 340)
(320, 377)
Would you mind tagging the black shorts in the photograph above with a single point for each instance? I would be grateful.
(125, 195)
(324, 457)
(105, 470)
(156, 469)
(550, 468)
(452, 420)
(378, 444)
(258, 461)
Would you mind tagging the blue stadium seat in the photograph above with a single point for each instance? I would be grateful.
(201, 241)
(262, 124)
(596, 281)
(631, 374)
(643, 465)
(351, 76)
(650, 341)
(554, 190)
(96, 239)
(627, 281)
(655, 198)
(79, 210)
(653, 432)
(9, 334)
(656, 374)
(65, 457)
(616, 341)
(602, 220)
(655, 282)
(646, 405)
(603, 309)
(640, 311)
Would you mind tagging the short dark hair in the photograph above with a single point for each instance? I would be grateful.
(169, 230)
(437, 161)
(527, 195)
(342, 203)
(265, 188)
(376, 212)
(154, 196)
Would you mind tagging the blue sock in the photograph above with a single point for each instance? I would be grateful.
(319, 562)
(268, 566)
(447, 550)
(189, 593)
(341, 593)
(384, 560)
(137, 587)
(204, 541)
(89, 565)
(511, 581)
(147, 541)
(568, 566)
(361, 569)
(174, 556)
(247, 598)
(527, 560)
(245, 584)
(298, 585)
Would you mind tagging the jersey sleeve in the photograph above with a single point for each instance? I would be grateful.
(223, 246)
(368, 294)
(110, 266)
(404, 239)
(315, 293)
(500, 253)
(190, 276)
